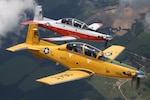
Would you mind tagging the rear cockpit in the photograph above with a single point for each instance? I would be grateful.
(84, 49)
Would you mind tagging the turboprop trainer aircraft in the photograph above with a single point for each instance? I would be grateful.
(81, 59)
(69, 28)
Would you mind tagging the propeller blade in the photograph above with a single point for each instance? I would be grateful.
(106, 43)
(137, 83)
(132, 81)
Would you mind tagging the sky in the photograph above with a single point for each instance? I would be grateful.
(12, 12)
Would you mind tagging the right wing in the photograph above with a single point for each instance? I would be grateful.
(69, 75)
(113, 51)
(63, 38)
(95, 26)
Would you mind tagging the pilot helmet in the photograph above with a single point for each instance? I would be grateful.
(74, 45)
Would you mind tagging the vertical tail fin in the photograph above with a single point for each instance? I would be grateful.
(32, 35)
(31, 39)
(38, 16)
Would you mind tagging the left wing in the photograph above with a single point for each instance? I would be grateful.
(64, 38)
(69, 75)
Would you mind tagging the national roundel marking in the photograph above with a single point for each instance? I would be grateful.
(46, 50)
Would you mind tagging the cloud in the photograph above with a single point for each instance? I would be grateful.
(12, 12)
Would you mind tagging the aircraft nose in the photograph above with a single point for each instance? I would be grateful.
(109, 37)
(140, 74)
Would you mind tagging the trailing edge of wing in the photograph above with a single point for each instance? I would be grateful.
(64, 38)
(69, 75)
(113, 51)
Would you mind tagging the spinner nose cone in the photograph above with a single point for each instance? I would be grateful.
(109, 37)
(140, 74)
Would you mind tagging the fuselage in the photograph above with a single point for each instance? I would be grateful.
(70, 29)
(96, 64)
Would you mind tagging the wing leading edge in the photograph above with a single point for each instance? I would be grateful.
(66, 76)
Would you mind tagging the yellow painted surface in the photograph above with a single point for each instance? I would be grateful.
(66, 76)
(113, 51)
(18, 47)
(72, 59)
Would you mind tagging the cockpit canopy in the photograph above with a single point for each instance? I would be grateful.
(74, 22)
(84, 49)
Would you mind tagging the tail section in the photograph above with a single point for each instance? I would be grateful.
(32, 36)
(31, 39)
(38, 16)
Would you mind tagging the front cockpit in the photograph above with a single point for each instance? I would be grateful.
(74, 22)
(84, 49)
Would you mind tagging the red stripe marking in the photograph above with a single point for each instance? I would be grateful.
(71, 33)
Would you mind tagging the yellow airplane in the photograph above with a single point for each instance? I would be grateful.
(81, 59)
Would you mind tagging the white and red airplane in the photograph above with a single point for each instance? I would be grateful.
(69, 28)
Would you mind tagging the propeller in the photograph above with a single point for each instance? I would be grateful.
(137, 83)
(106, 43)
(107, 39)
(139, 73)
(137, 79)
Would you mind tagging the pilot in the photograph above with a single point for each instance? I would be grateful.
(64, 21)
(69, 47)
(93, 54)
(88, 52)
(74, 48)
(75, 24)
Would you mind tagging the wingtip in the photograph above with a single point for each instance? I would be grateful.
(44, 82)
(9, 49)
(28, 22)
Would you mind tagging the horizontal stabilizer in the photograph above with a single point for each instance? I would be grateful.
(64, 38)
(28, 22)
(18, 47)
(69, 75)
(113, 51)
(95, 26)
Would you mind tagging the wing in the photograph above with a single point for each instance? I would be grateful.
(69, 75)
(64, 38)
(113, 51)
(95, 26)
